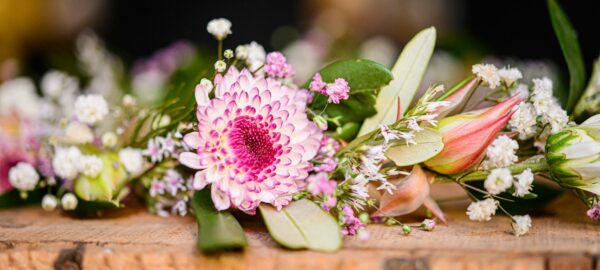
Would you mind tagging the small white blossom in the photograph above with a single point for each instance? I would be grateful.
(429, 118)
(206, 83)
(228, 54)
(180, 208)
(488, 74)
(56, 83)
(501, 153)
(414, 125)
(509, 75)
(109, 139)
(524, 121)
(78, 133)
(132, 160)
(220, 66)
(498, 181)
(521, 90)
(256, 56)
(90, 109)
(433, 106)
(523, 183)
(541, 96)
(23, 177)
(90, 165)
(49, 202)
(219, 28)
(521, 224)
(19, 96)
(68, 202)
(129, 101)
(241, 52)
(388, 134)
(556, 117)
(482, 210)
(65, 162)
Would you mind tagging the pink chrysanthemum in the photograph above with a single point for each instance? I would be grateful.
(254, 142)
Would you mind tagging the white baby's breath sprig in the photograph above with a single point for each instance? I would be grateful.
(488, 74)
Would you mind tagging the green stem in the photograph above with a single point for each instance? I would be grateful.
(514, 169)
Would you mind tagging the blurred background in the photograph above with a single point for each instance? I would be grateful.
(36, 35)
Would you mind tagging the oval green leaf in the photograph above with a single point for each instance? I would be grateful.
(408, 72)
(302, 224)
(429, 143)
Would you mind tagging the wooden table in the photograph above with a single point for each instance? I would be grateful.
(563, 238)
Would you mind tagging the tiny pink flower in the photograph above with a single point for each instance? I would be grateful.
(319, 184)
(428, 224)
(351, 222)
(337, 91)
(328, 165)
(594, 212)
(156, 187)
(317, 84)
(276, 66)
(328, 203)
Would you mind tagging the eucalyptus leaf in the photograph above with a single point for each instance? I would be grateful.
(365, 79)
(567, 38)
(408, 72)
(217, 230)
(302, 224)
(428, 144)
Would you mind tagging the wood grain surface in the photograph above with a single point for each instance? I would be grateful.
(561, 238)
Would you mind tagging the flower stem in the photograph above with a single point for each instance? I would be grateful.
(514, 169)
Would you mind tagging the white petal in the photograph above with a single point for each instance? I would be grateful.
(582, 149)
(199, 180)
(192, 140)
(202, 95)
(191, 160)
(220, 199)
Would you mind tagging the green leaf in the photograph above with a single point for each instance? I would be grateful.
(217, 230)
(13, 198)
(408, 72)
(429, 144)
(567, 38)
(302, 224)
(365, 79)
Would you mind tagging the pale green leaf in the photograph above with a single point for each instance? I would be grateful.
(408, 72)
(429, 143)
(302, 224)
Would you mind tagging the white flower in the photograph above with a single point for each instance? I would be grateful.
(501, 153)
(56, 83)
(78, 133)
(132, 160)
(90, 109)
(90, 165)
(509, 75)
(256, 56)
(388, 134)
(521, 224)
(542, 95)
(49, 202)
(522, 90)
(523, 183)
(109, 139)
(488, 74)
(524, 121)
(219, 28)
(23, 177)
(414, 125)
(556, 117)
(482, 210)
(241, 52)
(129, 101)
(68, 202)
(228, 54)
(433, 106)
(371, 160)
(220, 66)
(208, 85)
(65, 162)
(498, 181)
(18, 96)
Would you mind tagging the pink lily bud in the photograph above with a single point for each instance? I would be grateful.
(467, 135)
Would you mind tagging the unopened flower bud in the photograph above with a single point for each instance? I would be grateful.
(228, 54)
(49, 202)
(220, 66)
(69, 202)
(320, 121)
(406, 229)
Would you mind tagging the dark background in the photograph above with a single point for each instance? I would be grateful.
(517, 28)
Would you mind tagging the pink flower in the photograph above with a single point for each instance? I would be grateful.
(594, 212)
(276, 66)
(337, 91)
(17, 144)
(317, 84)
(351, 222)
(319, 184)
(327, 165)
(254, 144)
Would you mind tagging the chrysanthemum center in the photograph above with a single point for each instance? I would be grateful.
(251, 144)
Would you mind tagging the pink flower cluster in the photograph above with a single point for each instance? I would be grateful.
(276, 66)
(320, 185)
(325, 156)
(594, 212)
(351, 222)
(336, 91)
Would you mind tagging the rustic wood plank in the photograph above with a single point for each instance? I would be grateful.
(132, 239)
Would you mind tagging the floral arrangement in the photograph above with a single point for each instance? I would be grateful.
(318, 161)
